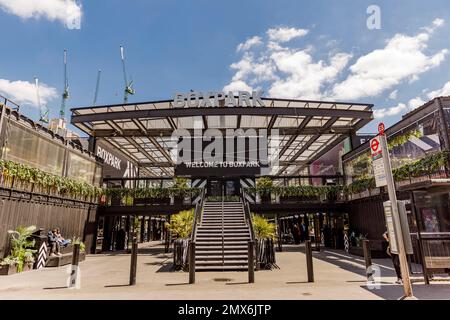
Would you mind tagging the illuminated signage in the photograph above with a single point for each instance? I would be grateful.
(218, 99)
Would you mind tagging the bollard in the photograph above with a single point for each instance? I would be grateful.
(191, 252)
(133, 265)
(75, 261)
(251, 262)
(368, 259)
(309, 261)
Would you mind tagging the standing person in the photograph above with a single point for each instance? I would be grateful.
(296, 233)
(303, 235)
(395, 259)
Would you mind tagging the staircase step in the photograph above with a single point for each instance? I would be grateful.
(221, 268)
(219, 252)
(222, 263)
(220, 257)
(215, 247)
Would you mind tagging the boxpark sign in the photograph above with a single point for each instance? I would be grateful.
(218, 99)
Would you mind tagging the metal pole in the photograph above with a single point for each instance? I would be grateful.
(309, 261)
(396, 218)
(367, 258)
(191, 262)
(251, 262)
(75, 260)
(133, 266)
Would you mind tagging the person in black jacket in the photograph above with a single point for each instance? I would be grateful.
(53, 242)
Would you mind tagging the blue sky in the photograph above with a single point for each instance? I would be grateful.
(298, 49)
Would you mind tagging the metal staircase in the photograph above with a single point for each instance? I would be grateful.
(222, 236)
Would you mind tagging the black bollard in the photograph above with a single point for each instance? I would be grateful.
(251, 262)
(367, 259)
(133, 265)
(191, 252)
(309, 261)
(75, 261)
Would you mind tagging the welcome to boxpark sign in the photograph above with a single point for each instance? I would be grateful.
(218, 99)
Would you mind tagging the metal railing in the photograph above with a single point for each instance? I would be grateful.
(198, 214)
(248, 215)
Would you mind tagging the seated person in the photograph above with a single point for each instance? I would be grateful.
(53, 243)
(63, 242)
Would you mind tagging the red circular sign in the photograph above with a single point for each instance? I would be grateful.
(381, 128)
(374, 144)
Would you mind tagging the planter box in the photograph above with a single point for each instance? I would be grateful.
(27, 267)
(7, 270)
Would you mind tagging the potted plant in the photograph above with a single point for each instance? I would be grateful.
(21, 245)
(28, 260)
(264, 186)
(264, 234)
(8, 266)
(180, 226)
(179, 190)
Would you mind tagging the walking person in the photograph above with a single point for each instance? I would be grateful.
(296, 233)
(395, 259)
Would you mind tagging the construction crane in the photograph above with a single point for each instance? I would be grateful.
(97, 86)
(43, 114)
(128, 85)
(65, 94)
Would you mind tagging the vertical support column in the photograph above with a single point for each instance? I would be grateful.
(149, 229)
(443, 129)
(251, 262)
(2, 130)
(191, 252)
(142, 229)
(278, 224)
(133, 266)
(309, 261)
(367, 259)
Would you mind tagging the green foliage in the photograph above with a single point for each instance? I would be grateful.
(296, 191)
(64, 186)
(181, 224)
(402, 139)
(152, 193)
(262, 227)
(21, 245)
(81, 243)
(9, 261)
(264, 186)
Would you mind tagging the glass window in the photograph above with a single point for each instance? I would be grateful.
(80, 168)
(24, 146)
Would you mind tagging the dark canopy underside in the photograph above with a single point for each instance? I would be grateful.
(307, 129)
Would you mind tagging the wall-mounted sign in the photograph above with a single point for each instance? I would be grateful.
(116, 164)
(218, 99)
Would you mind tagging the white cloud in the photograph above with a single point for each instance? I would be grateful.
(24, 92)
(251, 42)
(238, 85)
(393, 95)
(392, 111)
(403, 58)
(415, 103)
(68, 12)
(305, 77)
(285, 34)
(444, 91)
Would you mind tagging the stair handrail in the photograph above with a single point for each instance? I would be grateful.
(248, 215)
(198, 214)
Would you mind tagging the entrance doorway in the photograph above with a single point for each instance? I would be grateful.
(217, 187)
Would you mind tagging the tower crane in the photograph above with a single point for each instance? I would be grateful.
(128, 85)
(97, 86)
(65, 94)
(43, 114)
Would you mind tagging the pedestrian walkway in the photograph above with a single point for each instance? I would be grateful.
(105, 276)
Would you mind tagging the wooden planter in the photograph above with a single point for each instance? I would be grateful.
(27, 267)
(7, 270)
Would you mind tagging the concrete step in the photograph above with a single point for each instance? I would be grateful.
(221, 268)
(215, 247)
(219, 252)
(220, 257)
(222, 263)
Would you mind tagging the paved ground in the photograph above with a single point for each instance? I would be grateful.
(337, 275)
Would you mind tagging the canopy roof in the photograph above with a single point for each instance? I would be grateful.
(307, 129)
